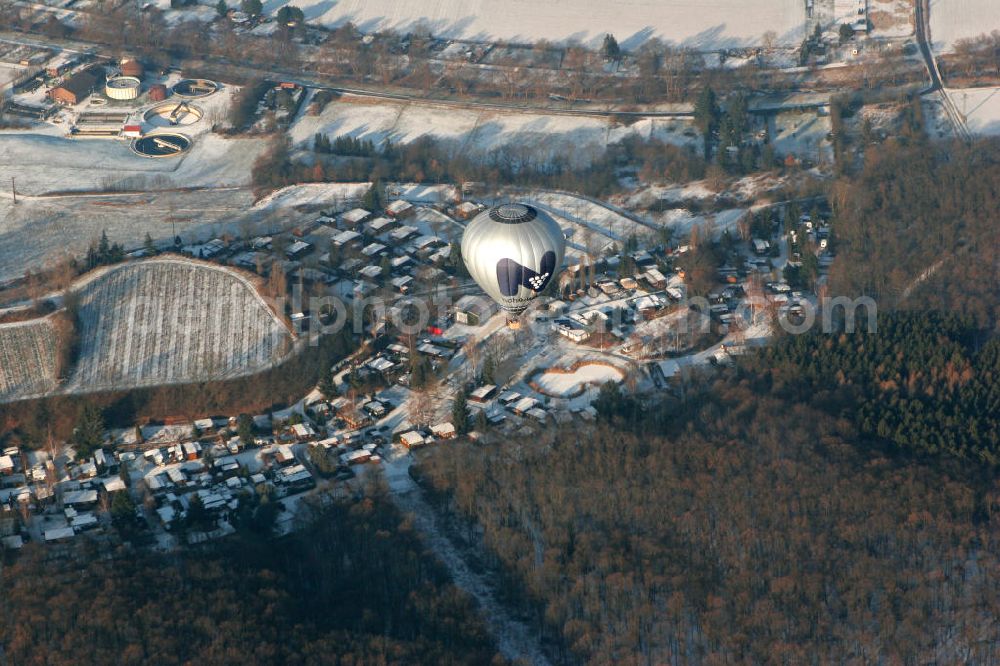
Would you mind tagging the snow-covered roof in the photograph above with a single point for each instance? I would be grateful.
(80, 497)
(445, 429)
(411, 438)
(402, 232)
(381, 364)
(379, 223)
(59, 533)
(83, 521)
(402, 281)
(354, 216)
(345, 237)
(524, 404)
(537, 413)
(424, 241)
(398, 206)
(483, 392)
(114, 485)
(653, 275)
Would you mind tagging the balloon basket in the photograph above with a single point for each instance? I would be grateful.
(514, 323)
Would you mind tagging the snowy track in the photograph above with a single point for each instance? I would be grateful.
(516, 641)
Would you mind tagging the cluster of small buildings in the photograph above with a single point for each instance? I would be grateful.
(350, 255)
(42, 502)
(222, 470)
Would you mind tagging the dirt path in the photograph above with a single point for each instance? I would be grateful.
(516, 640)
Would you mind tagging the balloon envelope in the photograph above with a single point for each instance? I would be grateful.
(513, 251)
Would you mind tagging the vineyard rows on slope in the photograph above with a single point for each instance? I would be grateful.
(27, 358)
(168, 321)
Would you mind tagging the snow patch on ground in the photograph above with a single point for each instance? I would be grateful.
(313, 194)
(980, 107)
(952, 20)
(698, 24)
(564, 385)
(475, 132)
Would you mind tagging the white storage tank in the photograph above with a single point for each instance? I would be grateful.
(122, 87)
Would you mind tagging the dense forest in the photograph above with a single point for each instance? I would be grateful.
(929, 383)
(833, 498)
(734, 527)
(354, 587)
(917, 229)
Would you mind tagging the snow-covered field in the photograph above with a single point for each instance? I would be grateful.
(8, 73)
(682, 221)
(333, 195)
(952, 20)
(475, 132)
(563, 385)
(980, 107)
(38, 230)
(44, 162)
(589, 225)
(166, 321)
(27, 359)
(802, 134)
(700, 24)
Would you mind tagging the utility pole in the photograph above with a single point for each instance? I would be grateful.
(13, 190)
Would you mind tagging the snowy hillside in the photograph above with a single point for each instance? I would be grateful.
(699, 24)
(171, 321)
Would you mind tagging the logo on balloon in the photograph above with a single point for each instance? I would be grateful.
(511, 275)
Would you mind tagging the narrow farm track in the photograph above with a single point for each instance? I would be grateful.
(516, 640)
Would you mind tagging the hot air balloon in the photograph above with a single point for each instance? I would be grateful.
(513, 251)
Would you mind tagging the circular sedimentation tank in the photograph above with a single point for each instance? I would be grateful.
(163, 144)
(122, 87)
(194, 88)
(173, 114)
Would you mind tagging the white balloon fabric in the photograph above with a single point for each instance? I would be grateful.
(513, 251)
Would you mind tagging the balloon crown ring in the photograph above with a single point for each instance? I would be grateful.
(513, 213)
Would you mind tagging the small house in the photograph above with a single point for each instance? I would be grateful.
(303, 432)
(355, 217)
(379, 225)
(444, 430)
(411, 439)
(298, 250)
(284, 455)
(399, 209)
(466, 210)
(482, 394)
